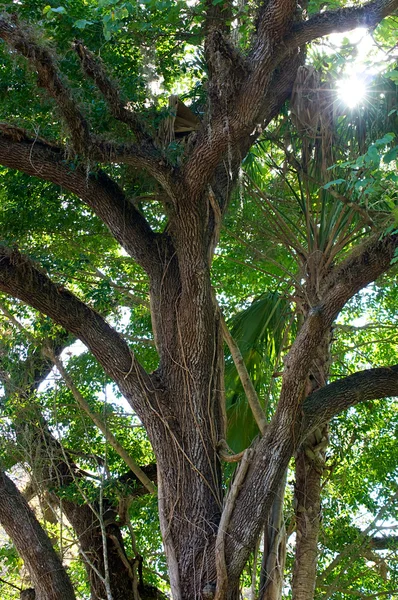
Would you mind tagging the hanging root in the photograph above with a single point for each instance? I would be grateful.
(226, 454)
(221, 567)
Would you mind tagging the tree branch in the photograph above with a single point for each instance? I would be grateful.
(22, 40)
(22, 279)
(41, 59)
(364, 265)
(248, 387)
(385, 542)
(248, 105)
(343, 19)
(94, 69)
(372, 384)
(39, 158)
(33, 544)
(286, 430)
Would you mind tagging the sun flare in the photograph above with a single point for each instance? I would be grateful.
(351, 91)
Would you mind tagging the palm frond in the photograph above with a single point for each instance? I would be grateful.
(259, 331)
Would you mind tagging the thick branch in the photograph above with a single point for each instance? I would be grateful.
(273, 18)
(32, 543)
(20, 278)
(285, 432)
(336, 397)
(364, 265)
(249, 105)
(39, 158)
(343, 19)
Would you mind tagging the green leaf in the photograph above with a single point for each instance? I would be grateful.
(82, 23)
(334, 182)
(386, 139)
(393, 75)
(391, 155)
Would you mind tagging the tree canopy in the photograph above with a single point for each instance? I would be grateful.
(198, 300)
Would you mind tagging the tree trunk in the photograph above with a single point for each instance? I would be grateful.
(310, 463)
(190, 419)
(32, 543)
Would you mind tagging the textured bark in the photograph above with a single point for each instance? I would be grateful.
(52, 471)
(274, 556)
(189, 422)
(309, 465)
(181, 404)
(310, 461)
(32, 543)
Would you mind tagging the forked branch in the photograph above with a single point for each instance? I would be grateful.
(23, 40)
(92, 147)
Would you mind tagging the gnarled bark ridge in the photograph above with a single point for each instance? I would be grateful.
(181, 404)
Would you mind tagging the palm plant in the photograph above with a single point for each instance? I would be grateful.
(314, 185)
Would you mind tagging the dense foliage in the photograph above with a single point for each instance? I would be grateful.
(319, 181)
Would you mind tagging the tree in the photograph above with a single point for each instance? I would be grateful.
(208, 535)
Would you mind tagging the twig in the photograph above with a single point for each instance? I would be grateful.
(107, 581)
(10, 584)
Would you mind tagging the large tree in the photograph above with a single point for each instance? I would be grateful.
(208, 533)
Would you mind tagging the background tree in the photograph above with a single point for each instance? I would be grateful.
(162, 200)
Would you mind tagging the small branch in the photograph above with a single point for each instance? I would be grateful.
(94, 69)
(81, 401)
(10, 584)
(226, 454)
(244, 377)
(133, 298)
(107, 581)
(349, 549)
(361, 211)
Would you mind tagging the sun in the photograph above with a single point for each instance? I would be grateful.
(351, 91)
